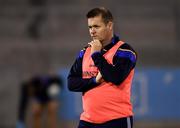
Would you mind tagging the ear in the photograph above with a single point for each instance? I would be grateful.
(110, 25)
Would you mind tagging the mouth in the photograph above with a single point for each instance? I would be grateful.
(94, 37)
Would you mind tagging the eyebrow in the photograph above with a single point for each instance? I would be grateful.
(90, 26)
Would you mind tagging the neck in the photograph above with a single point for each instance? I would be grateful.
(107, 41)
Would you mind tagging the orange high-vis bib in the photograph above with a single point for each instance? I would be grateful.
(106, 101)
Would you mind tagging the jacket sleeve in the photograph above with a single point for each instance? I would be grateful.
(123, 62)
(75, 81)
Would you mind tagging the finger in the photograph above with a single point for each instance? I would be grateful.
(96, 41)
(89, 44)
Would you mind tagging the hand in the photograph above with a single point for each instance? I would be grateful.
(96, 46)
(99, 78)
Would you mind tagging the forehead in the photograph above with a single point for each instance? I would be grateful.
(95, 20)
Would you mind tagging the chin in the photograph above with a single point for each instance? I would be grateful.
(96, 38)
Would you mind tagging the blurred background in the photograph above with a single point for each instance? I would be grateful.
(41, 35)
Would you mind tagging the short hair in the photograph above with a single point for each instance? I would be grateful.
(101, 11)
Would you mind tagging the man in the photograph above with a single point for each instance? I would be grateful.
(43, 91)
(103, 72)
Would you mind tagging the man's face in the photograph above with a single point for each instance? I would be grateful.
(98, 29)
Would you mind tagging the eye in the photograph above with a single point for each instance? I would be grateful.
(89, 27)
(96, 26)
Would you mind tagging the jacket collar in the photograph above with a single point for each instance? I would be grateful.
(114, 40)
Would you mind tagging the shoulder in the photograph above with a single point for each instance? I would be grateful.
(126, 51)
(35, 80)
(126, 47)
(81, 53)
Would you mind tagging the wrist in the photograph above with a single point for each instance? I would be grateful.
(95, 53)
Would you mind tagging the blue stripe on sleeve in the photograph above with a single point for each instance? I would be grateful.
(81, 54)
(126, 54)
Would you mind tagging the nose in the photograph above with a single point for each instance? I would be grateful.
(92, 31)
